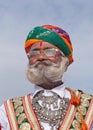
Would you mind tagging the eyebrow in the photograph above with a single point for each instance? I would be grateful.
(36, 49)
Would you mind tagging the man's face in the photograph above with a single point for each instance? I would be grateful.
(46, 63)
(44, 51)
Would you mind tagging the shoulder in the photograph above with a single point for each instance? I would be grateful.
(86, 100)
(85, 95)
(15, 100)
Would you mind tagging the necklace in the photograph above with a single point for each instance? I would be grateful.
(50, 109)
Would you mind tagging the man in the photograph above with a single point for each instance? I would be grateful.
(52, 106)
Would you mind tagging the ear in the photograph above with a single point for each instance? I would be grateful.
(65, 69)
(28, 56)
(66, 66)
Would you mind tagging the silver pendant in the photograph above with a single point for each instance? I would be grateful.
(50, 109)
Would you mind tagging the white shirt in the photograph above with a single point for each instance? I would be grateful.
(60, 90)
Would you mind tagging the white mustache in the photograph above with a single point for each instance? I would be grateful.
(43, 62)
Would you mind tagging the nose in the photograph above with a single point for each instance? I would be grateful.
(42, 57)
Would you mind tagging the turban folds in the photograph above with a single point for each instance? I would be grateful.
(52, 34)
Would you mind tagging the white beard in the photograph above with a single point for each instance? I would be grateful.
(47, 72)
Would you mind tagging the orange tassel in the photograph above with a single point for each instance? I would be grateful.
(75, 100)
(84, 125)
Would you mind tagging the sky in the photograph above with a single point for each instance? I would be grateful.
(18, 17)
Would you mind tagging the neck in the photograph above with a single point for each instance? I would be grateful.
(51, 85)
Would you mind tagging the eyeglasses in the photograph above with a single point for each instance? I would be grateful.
(47, 52)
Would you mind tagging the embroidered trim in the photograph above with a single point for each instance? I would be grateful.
(89, 115)
(30, 113)
(21, 114)
(11, 114)
(69, 116)
(79, 119)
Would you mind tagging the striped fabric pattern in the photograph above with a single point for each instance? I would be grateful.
(21, 114)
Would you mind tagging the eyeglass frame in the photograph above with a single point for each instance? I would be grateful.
(49, 48)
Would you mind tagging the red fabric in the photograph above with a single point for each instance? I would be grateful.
(0, 127)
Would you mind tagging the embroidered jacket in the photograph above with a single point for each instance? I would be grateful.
(21, 114)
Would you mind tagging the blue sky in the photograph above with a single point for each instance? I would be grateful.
(18, 17)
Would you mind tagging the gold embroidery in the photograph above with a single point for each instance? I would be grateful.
(76, 125)
(17, 103)
(82, 110)
(86, 96)
(16, 99)
(20, 114)
(19, 110)
(85, 103)
(25, 126)
(78, 117)
(21, 118)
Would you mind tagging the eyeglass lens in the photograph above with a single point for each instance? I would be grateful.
(47, 52)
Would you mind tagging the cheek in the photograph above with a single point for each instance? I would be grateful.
(56, 59)
(32, 61)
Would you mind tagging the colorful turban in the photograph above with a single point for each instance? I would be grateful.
(52, 34)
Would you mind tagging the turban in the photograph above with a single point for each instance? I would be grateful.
(52, 34)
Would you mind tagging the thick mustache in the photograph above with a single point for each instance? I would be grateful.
(43, 62)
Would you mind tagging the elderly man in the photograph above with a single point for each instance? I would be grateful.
(52, 106)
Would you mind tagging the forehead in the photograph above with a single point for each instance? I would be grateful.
(43, 44)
